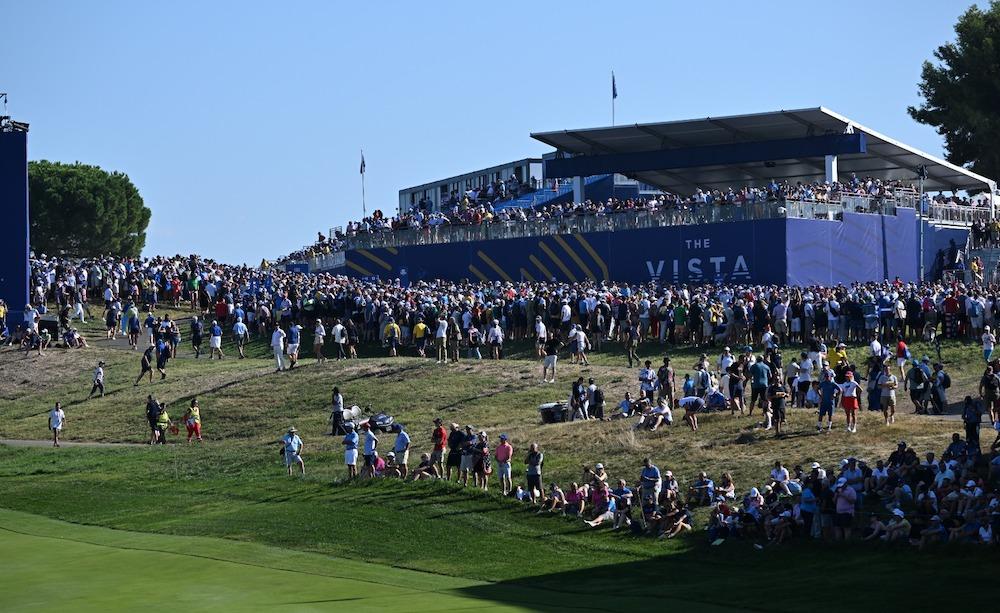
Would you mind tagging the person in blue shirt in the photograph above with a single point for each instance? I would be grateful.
(606, 511)
(402, 449)
(294, 338)
(350, 442)
(162, 355)
(371, 444)
(241, 335)
(622, 495)
(760, 375)
(149, 323)
(649, 479)
(215, 340)
(292, 448)
(828, 394)
(688, 387)
(702, 490)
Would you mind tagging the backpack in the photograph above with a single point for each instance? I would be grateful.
(945, 381)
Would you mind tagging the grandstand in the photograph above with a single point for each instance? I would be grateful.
(802, 197)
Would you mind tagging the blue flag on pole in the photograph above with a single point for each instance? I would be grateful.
(614, 88)
(362, 162)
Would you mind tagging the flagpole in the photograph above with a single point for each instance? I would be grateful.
(613, 98)
(364, 206)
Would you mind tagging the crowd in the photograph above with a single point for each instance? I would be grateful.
(904, 497)
(439, 319)
(478, 207)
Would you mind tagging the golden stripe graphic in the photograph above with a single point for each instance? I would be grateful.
(374, 258)
(478, 273)
(359, 269)
(572, 254)
(555, 258)
(494, 266)
(541, 267)
(593, 254)
(392, 250)
(527, 275)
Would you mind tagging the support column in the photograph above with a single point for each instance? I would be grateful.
(578, 192)
(831, 169)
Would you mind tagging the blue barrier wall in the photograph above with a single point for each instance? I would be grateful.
(794, 251)
(14, 265)
(679, 254)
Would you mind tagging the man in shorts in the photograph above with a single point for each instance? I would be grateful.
(57, 419)
(439, 438)
(146, 364)
(551, 350)
(850, 394)
(241, 334)
(887, 384)
(371, 444)
(777, 396)
(541, 336)
(293, 450)
(294, 338)
(401, 447)
(829, 392)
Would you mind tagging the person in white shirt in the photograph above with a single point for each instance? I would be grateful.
(318, 333)
(779, 478)
(494, 336)
(98, 380)
(541, 335)
(57, 419)
(278, 346)
(989, 342)
(241, 334)
(804, 379)
(726, 360)
(339, 334)
(441, 339)
(581, 346)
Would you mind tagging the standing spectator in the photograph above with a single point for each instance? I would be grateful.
(441, 339)
(850, 395)
(989, 391)
(350, 443)
(650, 480)
(146, 365)
(940, 382)
(595, 400)
(370, 451)
(533, 472)
(887, 384)
(402, 449)
(339, 334)
(439, 438)
(972, 417)
(294, 338)
(844, 498)
(989, 342)
(777, 396)
(494, 336)
(57, 419)
(455, 439)
(197, 330)
(319, 332)
(292, 449)
(503, 454)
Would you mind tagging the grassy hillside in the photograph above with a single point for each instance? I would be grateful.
(233, 486)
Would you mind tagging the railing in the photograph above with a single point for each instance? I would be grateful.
(646, 218)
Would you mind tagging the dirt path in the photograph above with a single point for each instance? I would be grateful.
(48, 443)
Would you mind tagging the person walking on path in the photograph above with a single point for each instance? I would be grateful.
(98, 380)
(215, 340)
(278, 346)
(319, 332)
(292, 450)
(57, 419)
(146, 365)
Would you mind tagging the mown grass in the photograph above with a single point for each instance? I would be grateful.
(233, 486)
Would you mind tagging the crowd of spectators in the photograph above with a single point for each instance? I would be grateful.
(479, 207)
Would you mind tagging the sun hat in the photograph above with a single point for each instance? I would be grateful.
(898, 513)
(292, 430)
(503, 437)
(814, 465)
(970, 483)
(598, 465)
(840, 483)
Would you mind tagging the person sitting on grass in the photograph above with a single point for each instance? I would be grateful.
(556, 500)
(702, 491)
(622, 496)
(676, 519)
(575, 501)
(606, 510)
(425, 469)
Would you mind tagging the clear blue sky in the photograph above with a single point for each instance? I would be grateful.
(241, 122)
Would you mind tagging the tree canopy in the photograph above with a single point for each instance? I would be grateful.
(961, 92)
(81, 210)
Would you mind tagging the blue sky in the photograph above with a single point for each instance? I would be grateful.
(241, 122)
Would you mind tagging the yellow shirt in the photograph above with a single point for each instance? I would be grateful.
(194, 415)
(420, 330)
(391, 330)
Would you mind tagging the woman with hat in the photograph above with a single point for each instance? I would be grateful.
(350, 442)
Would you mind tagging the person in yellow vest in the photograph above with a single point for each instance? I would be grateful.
(162, 424)
(192, 420)
(420, 337)
(391, 337)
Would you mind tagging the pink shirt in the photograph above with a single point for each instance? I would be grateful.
(504, 452)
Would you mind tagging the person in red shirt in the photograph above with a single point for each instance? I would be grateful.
(503, 454)
(902, 355)
(439, 436)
